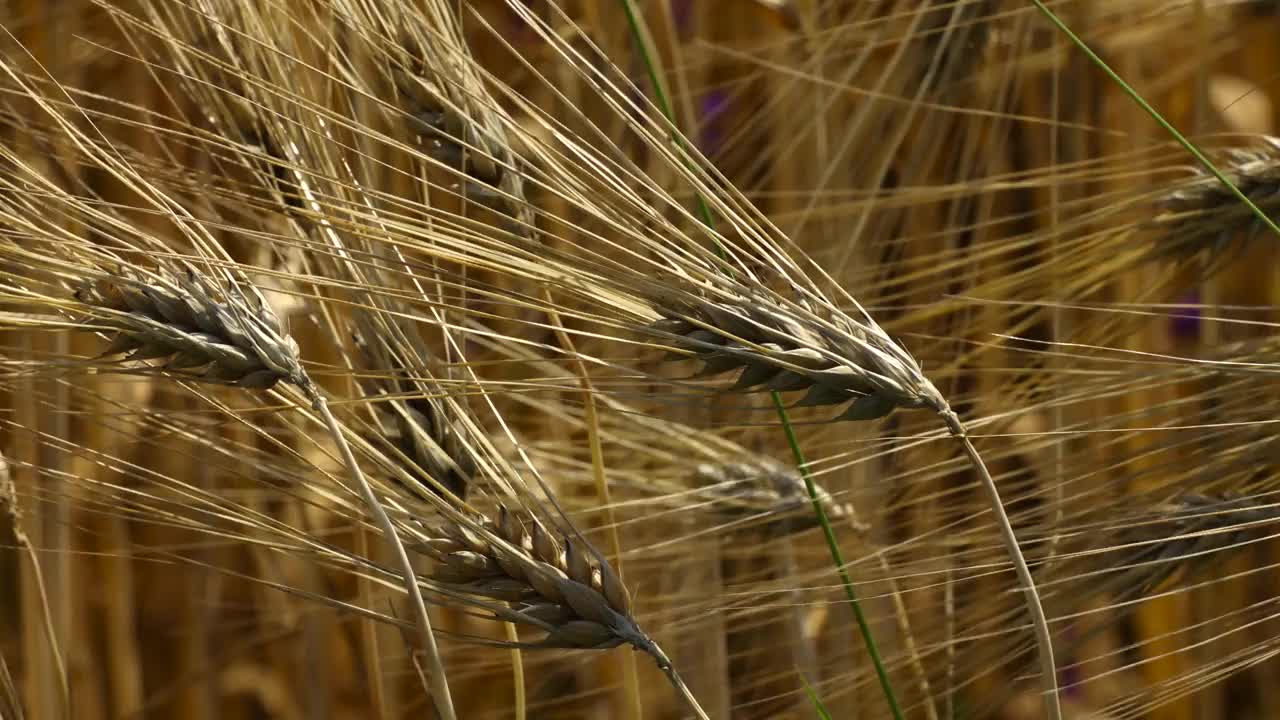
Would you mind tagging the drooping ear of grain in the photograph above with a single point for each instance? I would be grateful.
(218, 337)
(1203, 217)
(554, 586)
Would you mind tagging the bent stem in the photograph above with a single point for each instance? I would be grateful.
(677, 682)
(1044, 641)
(517, 672)
(435, 676)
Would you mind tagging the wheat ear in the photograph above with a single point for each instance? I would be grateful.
(560, 587)
(839, 360)
(1204, 215)
(1177, 534)
(418, 426)
(768, 490)
(777, 348)
(233, 340)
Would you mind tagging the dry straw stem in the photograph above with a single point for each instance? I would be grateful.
(238, 342)
(9, 505)
(10, 702)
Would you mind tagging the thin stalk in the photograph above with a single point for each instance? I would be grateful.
(1155, 115)
(1044, 641)
(645, 45)
(9, 501)
(640, 32)
(677, 682)
(818, 707)
(10, 702)
(369, 633)
(436, 677)
(517, 673)
(838, 558)
(47, 614)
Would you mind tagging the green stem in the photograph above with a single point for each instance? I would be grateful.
(1155, 115)
(645, 44)
(640, 32)
(818, 707)
(837, 557)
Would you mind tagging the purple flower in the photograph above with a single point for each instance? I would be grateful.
(712, 109)
(682, 13)
(1185, 324)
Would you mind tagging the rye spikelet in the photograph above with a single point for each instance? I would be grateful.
(469, 141)
(204, 333)
(448, 106)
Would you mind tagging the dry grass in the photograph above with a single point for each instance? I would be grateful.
(280, 282)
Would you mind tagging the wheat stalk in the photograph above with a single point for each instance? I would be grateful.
(9, 506)
(10, 702)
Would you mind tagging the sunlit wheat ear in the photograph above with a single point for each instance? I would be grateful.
(553, 586)
(837, 360)
(203, 333)
(564, 589)
(1203, 216)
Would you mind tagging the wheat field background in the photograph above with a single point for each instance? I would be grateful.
(525, 285)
